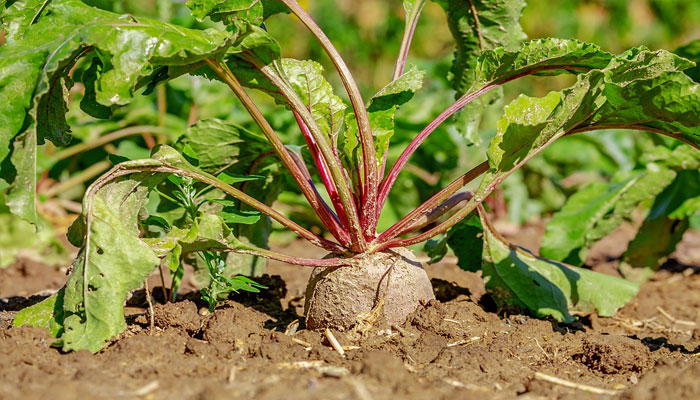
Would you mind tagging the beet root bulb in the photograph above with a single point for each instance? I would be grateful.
(338, 297)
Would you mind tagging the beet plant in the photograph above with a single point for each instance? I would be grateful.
(227, 177)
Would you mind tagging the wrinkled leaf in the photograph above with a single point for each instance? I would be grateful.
(550, 56)
(641, 89)
(37, 57)
(327, 109)
(477, 26)
(113, 262)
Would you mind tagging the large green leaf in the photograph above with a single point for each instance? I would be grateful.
(516, 278)
(478, 26)
(663, 226)
(649, 184)
(113, 262)
(45, 40)
(550, 56)
(640, 89)
(563, 243)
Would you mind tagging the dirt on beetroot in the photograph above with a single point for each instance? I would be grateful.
(254, 346)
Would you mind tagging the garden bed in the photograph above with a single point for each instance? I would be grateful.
(456, 347)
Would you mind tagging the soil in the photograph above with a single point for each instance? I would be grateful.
(254, 346)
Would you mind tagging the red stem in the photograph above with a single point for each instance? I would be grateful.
(412, 218)
(323, 171)
(329, 220)
(368, 218)
(306, 188)
(390, 179)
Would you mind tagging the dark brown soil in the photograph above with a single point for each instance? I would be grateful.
(453, 348)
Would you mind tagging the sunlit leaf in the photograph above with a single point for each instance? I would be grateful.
(516, 278)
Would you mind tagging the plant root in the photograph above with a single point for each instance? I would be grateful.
(383, 286)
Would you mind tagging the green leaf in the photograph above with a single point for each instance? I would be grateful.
(398, 92)
(638, 90)
(381, 109)
(306, 77)
(650, 183)
(253, 11)
(691, 51)
(21, 196)
(235, 178)
(227, 10)
(36, 59)
(566, 233)
(221, 145)
(466, 241)
(516, 278)
(479, 25)
(550, 56)
(47, 314)
(113, 262)
(663, 227)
